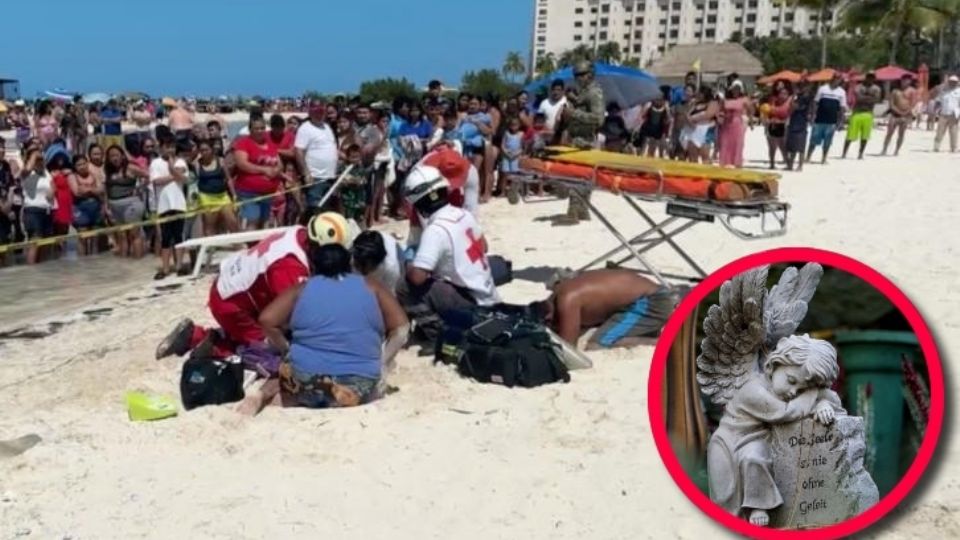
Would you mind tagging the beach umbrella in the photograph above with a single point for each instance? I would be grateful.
(627, 86)
(785, 75)
(57, 94)
(95, 97)
(134, 95)
(892, 73)
(824, 75)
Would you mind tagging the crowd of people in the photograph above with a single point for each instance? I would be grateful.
(699, 123)
(81, 168)
(338, 170)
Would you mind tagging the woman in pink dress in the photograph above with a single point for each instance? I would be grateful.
(733, 129)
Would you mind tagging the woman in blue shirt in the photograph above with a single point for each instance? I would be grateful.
(416, 124)
(337, 322)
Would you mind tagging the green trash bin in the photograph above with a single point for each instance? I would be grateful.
(873, 357)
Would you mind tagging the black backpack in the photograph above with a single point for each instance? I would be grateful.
(209, 381)
(497, 347)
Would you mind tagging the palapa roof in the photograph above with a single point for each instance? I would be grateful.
(714, 58)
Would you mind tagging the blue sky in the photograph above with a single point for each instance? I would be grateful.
(273, 47)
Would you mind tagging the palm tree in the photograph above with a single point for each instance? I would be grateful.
(823, 8)
(513, 66)
(546, 64)
(899, 17)
(576, 54)
(608, 53)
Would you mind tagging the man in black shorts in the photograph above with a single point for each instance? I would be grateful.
(623, 306)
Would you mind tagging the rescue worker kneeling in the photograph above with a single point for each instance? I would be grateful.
(449, 268)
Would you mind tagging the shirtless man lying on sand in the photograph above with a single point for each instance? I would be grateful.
(625, 308)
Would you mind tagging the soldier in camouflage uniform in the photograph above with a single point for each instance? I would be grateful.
(583, 116)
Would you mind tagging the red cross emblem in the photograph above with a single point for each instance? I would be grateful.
(475, 249)
(263, 246)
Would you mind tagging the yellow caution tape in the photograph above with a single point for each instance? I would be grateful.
(83, 235)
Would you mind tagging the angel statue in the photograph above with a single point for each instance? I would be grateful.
(764, 375)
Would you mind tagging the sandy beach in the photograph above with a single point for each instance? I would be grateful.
(445, 457)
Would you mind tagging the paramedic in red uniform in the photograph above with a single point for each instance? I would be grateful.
(248, 282)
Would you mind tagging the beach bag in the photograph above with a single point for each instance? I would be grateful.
(499, 347)
(209, 381)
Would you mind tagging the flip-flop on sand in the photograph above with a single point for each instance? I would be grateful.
(15, 447)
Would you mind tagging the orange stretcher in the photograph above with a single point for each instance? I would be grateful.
(693, 194)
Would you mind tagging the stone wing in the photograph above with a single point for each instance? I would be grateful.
(786, 305)
(734, 333)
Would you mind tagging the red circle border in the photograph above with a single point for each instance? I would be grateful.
(797, 255)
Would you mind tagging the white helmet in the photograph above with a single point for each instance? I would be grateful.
(422, 181)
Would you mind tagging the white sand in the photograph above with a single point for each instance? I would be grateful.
(574, 461)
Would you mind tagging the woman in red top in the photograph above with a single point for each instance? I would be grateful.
(258, 174)
(64, 188)
(777, 121)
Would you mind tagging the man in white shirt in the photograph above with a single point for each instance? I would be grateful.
(316, 149)
(826, 114)
(168, 174)
(450, 269)
(948, 112)
(553, 105)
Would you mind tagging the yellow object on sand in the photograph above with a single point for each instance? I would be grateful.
(143, 406)
(627, 162)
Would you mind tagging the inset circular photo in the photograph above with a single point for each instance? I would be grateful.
(796, 393)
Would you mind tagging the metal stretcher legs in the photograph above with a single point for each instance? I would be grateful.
(667, 237)
(625, 243)
(664, 236)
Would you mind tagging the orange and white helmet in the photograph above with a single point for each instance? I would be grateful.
(330, 228)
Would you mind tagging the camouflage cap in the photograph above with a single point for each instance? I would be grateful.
(582, 67)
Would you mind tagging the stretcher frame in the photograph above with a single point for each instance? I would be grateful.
(682, 215)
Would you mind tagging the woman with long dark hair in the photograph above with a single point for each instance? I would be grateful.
(778, 112)
(38, 193)
(215, 192)
(700, 118)
(88, 206)
(123, 182)
(344, 329)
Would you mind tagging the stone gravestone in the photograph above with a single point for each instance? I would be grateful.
(819, 472)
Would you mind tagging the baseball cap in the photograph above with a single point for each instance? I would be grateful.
(953, 78)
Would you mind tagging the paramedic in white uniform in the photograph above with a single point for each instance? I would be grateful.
(450, 269)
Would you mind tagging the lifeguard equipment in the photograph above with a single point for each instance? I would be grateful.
(692, 193)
